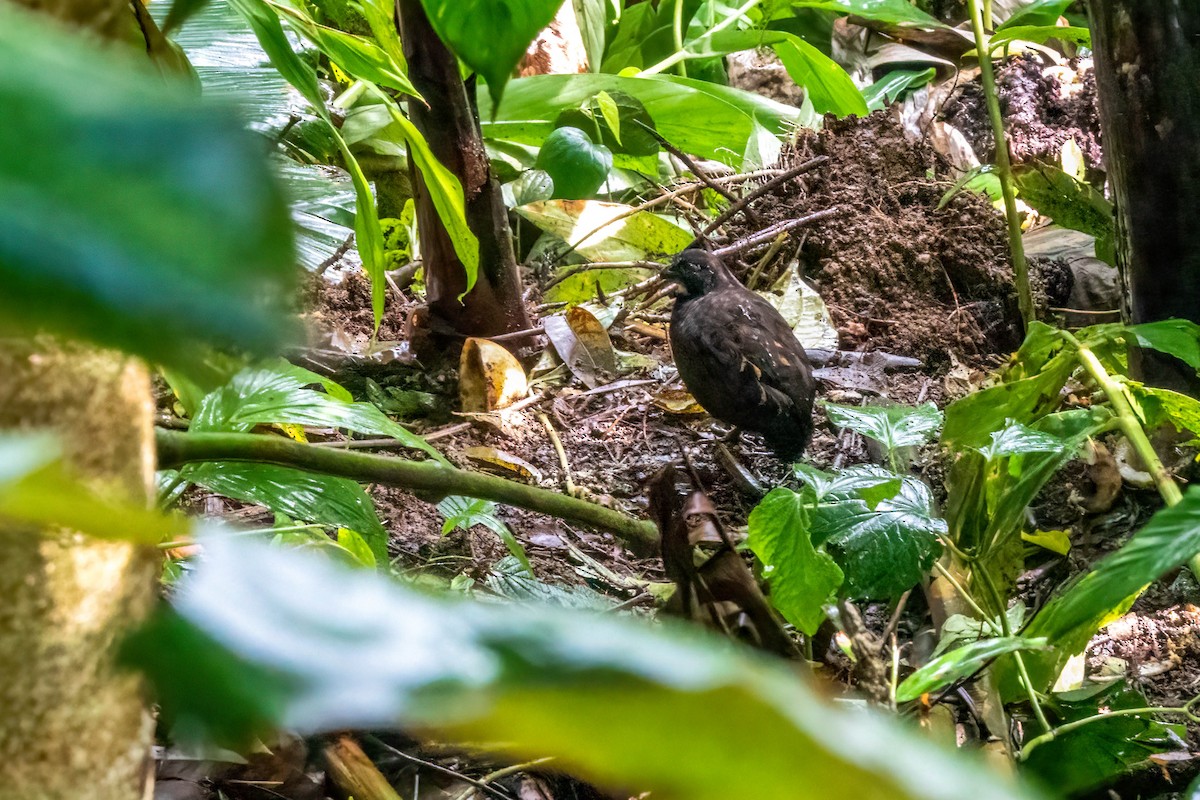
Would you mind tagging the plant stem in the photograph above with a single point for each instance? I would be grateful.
(1053, 734)
(678, 30)
(1003, 164)
(684, 55)
(175, 449)
(1035, 703)
(1131, 425)
(984, 619)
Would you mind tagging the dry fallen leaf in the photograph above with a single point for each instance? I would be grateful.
(583, 344)
(676, 401)
(502, 461)
(489, 377)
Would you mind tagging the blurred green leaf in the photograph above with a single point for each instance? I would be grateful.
(892, 86)
(1176, 337)
(134, 215)
(666, 709)
(1039, 34)
(1039, 12)
(961, 663)
(802, 578)
(1069, 202)
(353, 543)
(36, 490)
(490, 36)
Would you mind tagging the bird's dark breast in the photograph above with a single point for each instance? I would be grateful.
(742, 363)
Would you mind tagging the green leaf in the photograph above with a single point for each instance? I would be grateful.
(577, 166)
(825, 83)
(666, 709)
(982, 179)
(894, 427)
(135, 215)
(802, 578)
(35, 489)
(467, 512)
(701, 118)
(1039, 34)
(890, 12)
(886, 550)
(267, 397)
(444, 190)
(1090, 757)
(592, 17)
(354, 544)
(1039, 12)
(961, 663)
(490, 36)
(1169, 539)
(357, 56)
(625, 122)
(1069, 202)
(971, 421)
(893, 85)
(336, 502)
(1175, 337)
(1162, 406)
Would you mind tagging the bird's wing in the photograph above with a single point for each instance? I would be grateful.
(758, 337)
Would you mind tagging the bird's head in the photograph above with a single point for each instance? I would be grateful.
(697, 271)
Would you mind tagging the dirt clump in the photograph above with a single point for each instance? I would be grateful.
(897, 272)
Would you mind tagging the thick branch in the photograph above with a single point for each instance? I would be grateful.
(176, 449)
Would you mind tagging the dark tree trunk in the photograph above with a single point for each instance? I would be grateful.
(1147, 62)
(450, 124)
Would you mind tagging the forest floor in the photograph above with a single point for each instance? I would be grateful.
(921, 298)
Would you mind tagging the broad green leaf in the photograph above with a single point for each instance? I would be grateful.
(592, 17)
(1170, 538)
(971, 421)
(1070, 203)
(889, 12)
(35, 489)
(354, 544)
(1163, 406)
(666, 709)
(802, 579)
(467, 512)
(490, 36)
(894, 427)
(1092, 756)
(268, 397)
(961, 663)
(892, 86)
(1016, 439)
(885, 550)
(577, 166)
(707, 120)
(1039, 12)
(620, 123)
(1176, 337)
(1039, 34)
(135, 215)
(357, 56)
(323, 499)
(825, 83)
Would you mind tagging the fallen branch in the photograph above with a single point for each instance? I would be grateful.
(429, 477)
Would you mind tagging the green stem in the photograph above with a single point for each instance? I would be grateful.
(176, 448)
(684, 55)
(1131, 425)
(678, 30)
(1051, 735)
(1034, 701)
(984, 617)
(1003, 164)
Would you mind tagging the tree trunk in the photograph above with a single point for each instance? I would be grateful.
(72, 726)
(1147, 59)
(451, 126)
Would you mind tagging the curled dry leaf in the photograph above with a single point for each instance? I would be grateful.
(489, 377)
(504, 462)
(676, 401)
(583, 344)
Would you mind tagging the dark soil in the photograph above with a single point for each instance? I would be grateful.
(898, 273)
(1044, 108)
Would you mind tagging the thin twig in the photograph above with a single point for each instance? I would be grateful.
(562, 454)
(343, 248)
(421, 762)
(768, 234)
(758, 192)
(503, 772)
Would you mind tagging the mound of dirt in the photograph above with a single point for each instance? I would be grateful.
(897, 272)
(1044, 107)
